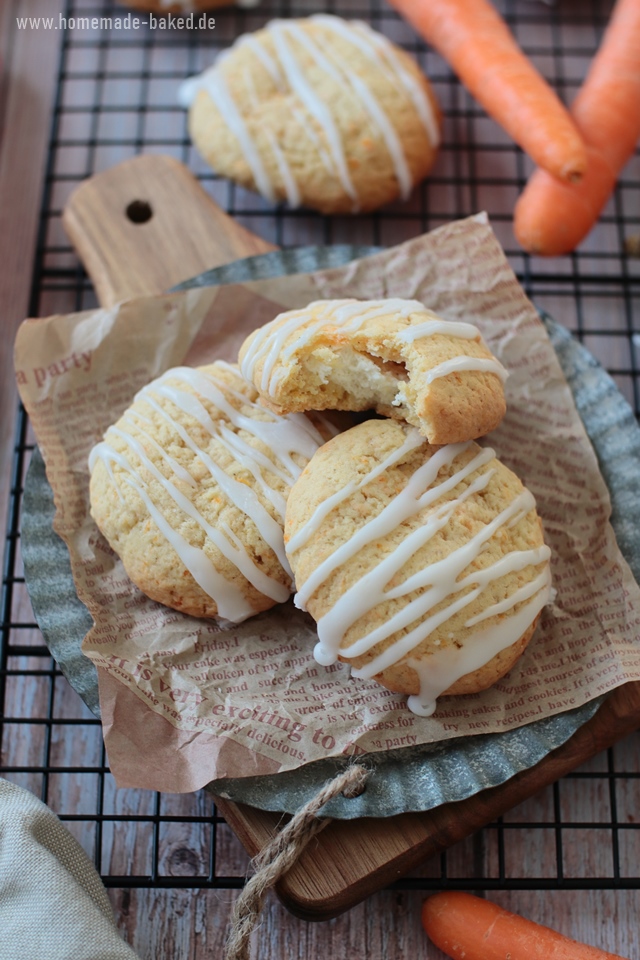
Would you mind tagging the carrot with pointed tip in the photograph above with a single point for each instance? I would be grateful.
(552, 218)
(474, 39)
(464, 926)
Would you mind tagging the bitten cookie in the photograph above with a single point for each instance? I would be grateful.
(189, 488)
(394, 356)
(321, 112)
(424, 567)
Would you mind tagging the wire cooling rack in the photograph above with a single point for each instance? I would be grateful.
(116, 98)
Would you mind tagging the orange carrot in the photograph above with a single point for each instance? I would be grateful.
(465, 926)
(552, 218)
(473, 38)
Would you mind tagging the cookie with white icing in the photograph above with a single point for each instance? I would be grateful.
(189, 488)
(425, 567)
(321, 112)
(394, 356)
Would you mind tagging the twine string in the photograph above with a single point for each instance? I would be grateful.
(279, 855)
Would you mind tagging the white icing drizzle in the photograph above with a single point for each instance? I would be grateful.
(287, 72)
(268, 343)
(415, 90)
(176, 467)
(351, 31)
(340, 72)
(310, 99)
(239, 557)
(286, 174)
(284, 436)
(331, 429)
(444, 667)
(354, 315)
(378, 49)
(251, 88)
(444, 589)
(188, 89)
(212, 81)
(450, 328)
(536, 556)
(443, 577)
(230, 368)
(518, 517)
(307, 427)
(411, 442)
(231, 603)
(350, 315)
(416, 495)
(269, 339)
(307, 126)
(238, 493)
(455, 364)
(358, 600)
(267, 61)
(94, 456)
(252, 460)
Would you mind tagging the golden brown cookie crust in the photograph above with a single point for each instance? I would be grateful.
(482, 494)
(189, 497)
(309, 135)
(308, 360)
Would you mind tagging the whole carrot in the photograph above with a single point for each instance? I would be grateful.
(462, 925)
(552, 218)
(476, 42)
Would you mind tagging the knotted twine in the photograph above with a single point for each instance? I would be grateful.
(281, 853)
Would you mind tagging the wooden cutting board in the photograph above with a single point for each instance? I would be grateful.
(140, 228)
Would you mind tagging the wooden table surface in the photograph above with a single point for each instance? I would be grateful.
(172, 922)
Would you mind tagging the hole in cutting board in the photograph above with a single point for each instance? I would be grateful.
(139, 211)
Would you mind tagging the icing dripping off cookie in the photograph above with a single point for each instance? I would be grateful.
(437, 592)
(285, 437)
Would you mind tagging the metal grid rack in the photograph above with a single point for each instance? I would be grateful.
(115, 98)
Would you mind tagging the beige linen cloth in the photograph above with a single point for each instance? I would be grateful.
(53, 905)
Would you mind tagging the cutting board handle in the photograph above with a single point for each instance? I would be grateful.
(146, 224)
